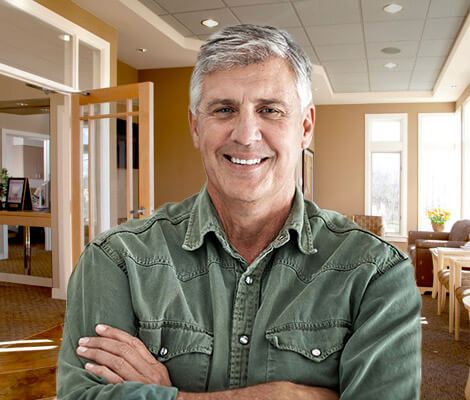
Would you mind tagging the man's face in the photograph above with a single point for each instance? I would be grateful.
(250, 130)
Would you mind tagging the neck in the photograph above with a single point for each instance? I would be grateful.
(251, 226)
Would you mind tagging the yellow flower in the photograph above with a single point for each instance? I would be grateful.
(438, 215)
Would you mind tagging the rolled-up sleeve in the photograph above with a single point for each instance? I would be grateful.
(98, 292)
(382, 358)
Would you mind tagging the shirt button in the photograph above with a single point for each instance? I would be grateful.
(163, 352)
(248, 280)
(316, 352)
(244, 339)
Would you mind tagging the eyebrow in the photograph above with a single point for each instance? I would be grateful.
(258, 101)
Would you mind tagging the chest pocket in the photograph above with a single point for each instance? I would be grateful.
(184, 349)
(305, 355)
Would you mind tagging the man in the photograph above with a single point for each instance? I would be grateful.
(244, 291)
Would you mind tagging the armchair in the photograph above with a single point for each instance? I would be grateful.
(419, 243)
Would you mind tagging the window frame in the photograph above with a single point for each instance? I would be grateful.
(388, 147)
(421, 216)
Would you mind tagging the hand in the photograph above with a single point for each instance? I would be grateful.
(121, 357)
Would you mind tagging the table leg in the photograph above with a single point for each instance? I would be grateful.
(27, 250)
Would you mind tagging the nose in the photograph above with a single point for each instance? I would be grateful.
(246, 130)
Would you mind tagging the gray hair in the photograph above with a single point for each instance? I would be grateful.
(246, 44)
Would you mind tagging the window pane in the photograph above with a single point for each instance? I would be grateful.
(88, 66)
(49, 52)
(439, 166)
(385, 131)
(385, 189)
(466, 161)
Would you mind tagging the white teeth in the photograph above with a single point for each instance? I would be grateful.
(248, 162)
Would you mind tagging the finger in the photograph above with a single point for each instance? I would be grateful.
(120, 349)
(104, 372)
(115, 363)
(122, 336)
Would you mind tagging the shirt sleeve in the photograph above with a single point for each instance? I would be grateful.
(382, 358)
(98, 292)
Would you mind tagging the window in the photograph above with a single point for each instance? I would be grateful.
(439, 166)
(466, 161)
(385, 170)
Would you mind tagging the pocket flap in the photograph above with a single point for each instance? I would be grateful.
(315, 343)
(169, 339)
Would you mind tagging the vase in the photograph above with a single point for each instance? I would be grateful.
(437, 227)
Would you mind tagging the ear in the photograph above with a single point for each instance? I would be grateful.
(308, 125)
(193, 127)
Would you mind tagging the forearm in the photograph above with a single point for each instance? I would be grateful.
(266, 391)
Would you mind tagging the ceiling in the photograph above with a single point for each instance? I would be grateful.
(343, 38)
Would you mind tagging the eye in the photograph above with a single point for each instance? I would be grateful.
(224, 110)
(268, 110)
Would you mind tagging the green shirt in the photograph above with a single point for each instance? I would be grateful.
(325, 304)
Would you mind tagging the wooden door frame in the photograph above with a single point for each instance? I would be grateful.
(142, 91)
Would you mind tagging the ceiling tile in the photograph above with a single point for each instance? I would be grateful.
(393, 31)
(442, 28)
(340, 52)
(280, 15)
(345, 66)
(437, 48)
(372, 10)
(335, 34)
(192, 20)
(203, 37)
(408, 49)
(349, 82)
(353, 77)
(332, 12)
(153, 6)
(174, 6)
(429, 63)
(299, 35)
(311, 54)
(236, 3)
(350, 87)
(390, 80)
(404, 64)
(174, 23)
(429, 85)
(424, 76)
(448, 8)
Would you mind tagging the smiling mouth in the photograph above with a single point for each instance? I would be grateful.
(242, 161)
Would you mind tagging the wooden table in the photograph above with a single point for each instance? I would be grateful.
(26, 219)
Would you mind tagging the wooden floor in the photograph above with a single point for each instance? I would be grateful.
(28, 367)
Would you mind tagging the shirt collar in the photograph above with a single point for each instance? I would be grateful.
(203, 219)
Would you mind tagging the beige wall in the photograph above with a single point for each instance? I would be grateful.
(339, 154)
(126, 74)
(77, 15)
(33, 162)
(178, 168)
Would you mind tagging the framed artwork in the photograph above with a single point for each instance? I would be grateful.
(307, 174)
(18, 194)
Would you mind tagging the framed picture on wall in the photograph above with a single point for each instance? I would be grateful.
(18, 194)
(307, 174)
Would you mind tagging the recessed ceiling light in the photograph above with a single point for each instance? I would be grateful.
(22, 104)
(141, 50)
(390, 65)
(65, 37)
(393, 8)
(210, 23)
(390, 50)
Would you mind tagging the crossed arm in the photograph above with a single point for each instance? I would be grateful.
(117, 357)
